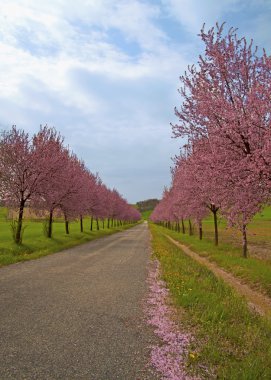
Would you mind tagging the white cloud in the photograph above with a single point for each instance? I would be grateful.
(105, 73)
(64, 30)
(193, 13)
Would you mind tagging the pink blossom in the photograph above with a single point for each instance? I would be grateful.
(169, 357)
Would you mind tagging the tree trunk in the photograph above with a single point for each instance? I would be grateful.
(200, 230)
(183, 227)
(18, 236)
(103, 224)
(214, 211)
(97, 224)
(91, 223)
(108, 223)
(244, 232)
(178, 227)
(190, 227)
(67, 225)
(50, 224)
(81, 224)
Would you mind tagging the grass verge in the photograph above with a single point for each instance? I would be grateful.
(36, 245)
(230, 341)
(254, 271)
(146, 214)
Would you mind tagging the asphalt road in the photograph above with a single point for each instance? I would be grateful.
(78, 314)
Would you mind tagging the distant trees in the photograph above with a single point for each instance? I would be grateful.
(147, 205)
(42, 173)
(226, 120)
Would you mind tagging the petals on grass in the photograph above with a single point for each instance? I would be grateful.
(167, 358)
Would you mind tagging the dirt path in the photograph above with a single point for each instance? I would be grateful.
(256, 301)
(78, 314)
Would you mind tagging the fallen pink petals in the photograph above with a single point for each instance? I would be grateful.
(167, 358)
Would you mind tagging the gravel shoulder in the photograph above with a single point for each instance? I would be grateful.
(78, 313)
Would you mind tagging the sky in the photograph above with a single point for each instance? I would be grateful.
(105, 74)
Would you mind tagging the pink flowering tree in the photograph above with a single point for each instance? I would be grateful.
(87, 196)
(191, 201)
(104, 199)
(40, 172)
(226, 104)
(64, 192)
(71, 190)
(26, 165)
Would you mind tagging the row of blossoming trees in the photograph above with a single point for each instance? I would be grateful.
(40, 172)
(225, 116)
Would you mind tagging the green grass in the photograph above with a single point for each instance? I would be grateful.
(230, 341)
(259, 233)
(36, 245)
(265, 214)
(255, 270)
(146, 214)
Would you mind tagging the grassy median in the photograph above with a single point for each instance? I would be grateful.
(36, 245)
(255, 270)
(230, 341)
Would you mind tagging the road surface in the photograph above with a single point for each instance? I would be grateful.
(78, 314)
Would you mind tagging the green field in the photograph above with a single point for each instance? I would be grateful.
(259, 234)
(230, 342)
(256, 269)
(146, 214)
(35, 244)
